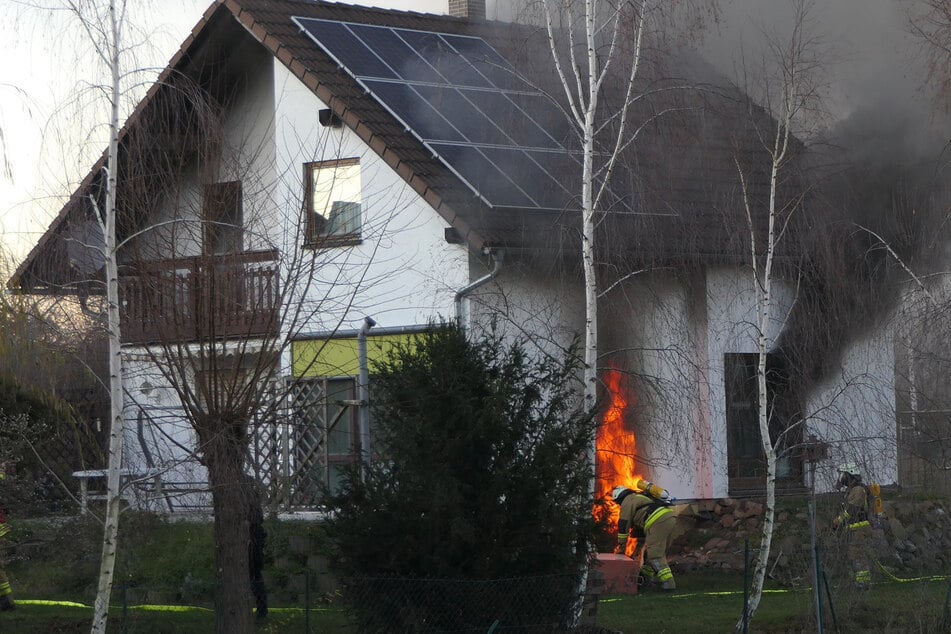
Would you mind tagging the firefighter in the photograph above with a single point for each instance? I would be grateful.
(6, 594)
(649, 518)
(853, 520)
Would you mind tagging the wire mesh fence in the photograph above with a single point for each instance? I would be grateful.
(522, 604)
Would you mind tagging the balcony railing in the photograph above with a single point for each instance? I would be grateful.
(198, 298)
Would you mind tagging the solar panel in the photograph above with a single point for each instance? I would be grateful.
(486, 176)
(488, 62)
(463, 101)
(348, 49)
(415, 112)
(533, 179)
(521, 128)
(451, 65)
(472, 122)
(392, 48)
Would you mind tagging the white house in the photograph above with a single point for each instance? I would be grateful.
(373, 163)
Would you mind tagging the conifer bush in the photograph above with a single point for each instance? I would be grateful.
(481, 474)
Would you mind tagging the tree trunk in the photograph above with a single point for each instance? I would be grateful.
(225, 458)
(116, 424)
(763, 289)
(766, 539)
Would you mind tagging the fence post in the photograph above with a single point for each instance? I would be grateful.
(591, 598)
(817, 590)
(746, 586)
(946, 617)
(125, 606)
(835, 621)
(307, 601)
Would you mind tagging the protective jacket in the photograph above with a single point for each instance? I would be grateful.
(638, 514)
(855, 511)
(855, 519)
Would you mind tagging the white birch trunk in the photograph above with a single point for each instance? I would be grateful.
(582, 91)
(116, 423)
(764, 305)
(588, 219)
(762, 283)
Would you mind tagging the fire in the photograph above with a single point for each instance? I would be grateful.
(616, 447)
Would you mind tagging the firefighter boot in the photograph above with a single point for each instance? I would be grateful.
(664, 575)
(646, 579)
(6, 603)
(863, 577)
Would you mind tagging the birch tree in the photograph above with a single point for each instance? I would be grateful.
(787, 89)
(600, 48)
(105, 32)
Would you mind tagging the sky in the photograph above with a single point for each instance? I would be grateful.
(49, 138)
(43, 64)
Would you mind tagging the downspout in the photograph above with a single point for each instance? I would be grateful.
(363, 396)
(498, 256)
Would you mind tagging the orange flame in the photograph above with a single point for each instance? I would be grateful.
(615, 448)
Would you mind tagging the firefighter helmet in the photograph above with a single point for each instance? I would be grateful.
(618, 493)
(850, 468)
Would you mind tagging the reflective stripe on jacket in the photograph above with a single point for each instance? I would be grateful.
(656, 515)
(638, 513)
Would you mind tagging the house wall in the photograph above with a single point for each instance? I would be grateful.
(249, 152)
(403, 273)
(923, 382)
(672, 332)
(246, 154)
(853, 409)
(158, 436)
(647, 331)
(539, 307)
(731, 305)
(157, 433)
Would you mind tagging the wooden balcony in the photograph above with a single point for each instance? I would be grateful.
(199, 298)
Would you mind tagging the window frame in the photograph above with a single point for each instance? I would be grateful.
(746, 474)
(311, 237)
(329, 460)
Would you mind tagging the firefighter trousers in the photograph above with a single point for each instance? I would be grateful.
(860, 553)
(4, 581)
(656, 540)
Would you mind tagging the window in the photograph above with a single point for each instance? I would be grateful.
(332, 194)
(325, 435)
(223, 215)
(746, 464)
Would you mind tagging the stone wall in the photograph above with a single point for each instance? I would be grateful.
(712, 536)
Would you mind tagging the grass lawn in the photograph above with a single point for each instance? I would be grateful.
(41, 618)
(708, 605)
(704, 604)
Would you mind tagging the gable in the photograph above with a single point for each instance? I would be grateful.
(511, 183)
